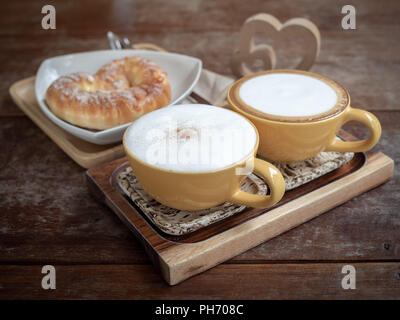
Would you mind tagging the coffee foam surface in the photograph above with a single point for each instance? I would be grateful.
(191, 138)
(291, 95)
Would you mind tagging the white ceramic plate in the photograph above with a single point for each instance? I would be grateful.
(183, 74)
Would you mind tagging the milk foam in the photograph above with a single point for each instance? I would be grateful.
(284, 94)
(191, 138)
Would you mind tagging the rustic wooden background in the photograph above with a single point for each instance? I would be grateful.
(48, 217)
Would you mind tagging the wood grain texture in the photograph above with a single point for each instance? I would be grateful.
(178, 259)
(234, 281)
(47, 214)
(364, 60)
(84, 153)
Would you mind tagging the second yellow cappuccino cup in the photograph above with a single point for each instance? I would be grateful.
(295, 137)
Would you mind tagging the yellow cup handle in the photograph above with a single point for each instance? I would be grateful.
(275, 182)
(366, 118)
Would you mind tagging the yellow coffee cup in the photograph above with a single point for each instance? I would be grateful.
(186, 190)
(289, 139)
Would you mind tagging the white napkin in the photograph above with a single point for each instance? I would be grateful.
(212, 87)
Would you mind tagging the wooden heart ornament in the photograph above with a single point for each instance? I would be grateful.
(248, 53)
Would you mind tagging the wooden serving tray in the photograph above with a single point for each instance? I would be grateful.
(84, 153)
(180, 257)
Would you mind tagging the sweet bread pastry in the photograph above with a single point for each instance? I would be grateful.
(120, 92)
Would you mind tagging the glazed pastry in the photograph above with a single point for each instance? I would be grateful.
(120, 92)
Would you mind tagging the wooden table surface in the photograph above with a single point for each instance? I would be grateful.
(47, 215)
